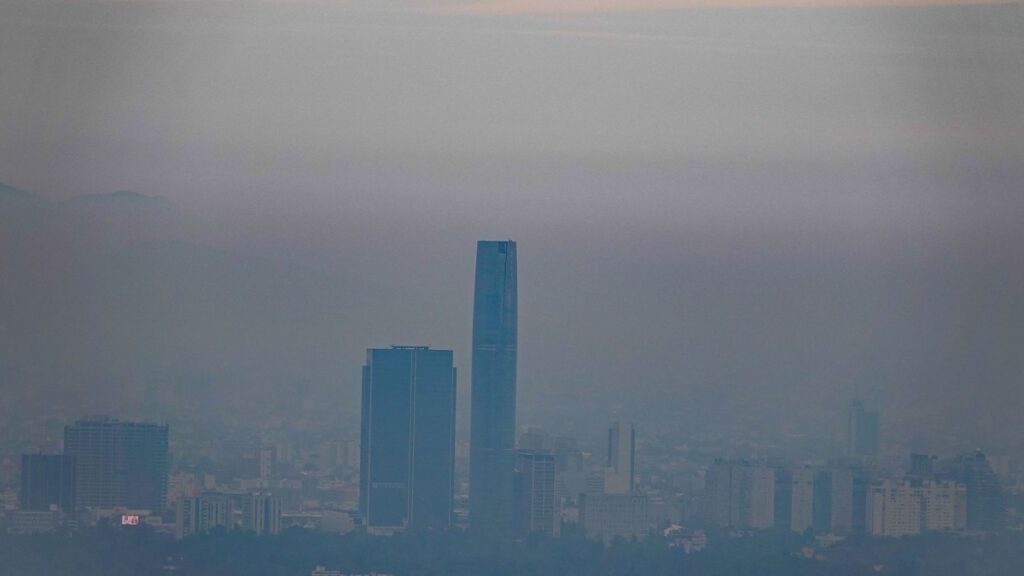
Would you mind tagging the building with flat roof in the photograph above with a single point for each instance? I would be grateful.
(740, 494)
(203, 512)
(407, 472)
(609, 516)
(620, 467)
(47, 482)
(537, 509)
(261, 513)
(119, 463)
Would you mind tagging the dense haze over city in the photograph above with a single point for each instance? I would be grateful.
(750, 211)
(731, 219)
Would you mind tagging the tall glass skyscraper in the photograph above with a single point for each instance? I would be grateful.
(493, 426)
(407, 444)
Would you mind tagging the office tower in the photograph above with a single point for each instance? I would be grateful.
(608, 516)
(740, 494)
(47, 482)
(620, 467)
(986, 506)
(862, 431)
(536, 507)
(202, 513)
(833, 501)
(408, 438)
(118, 463)
(493, 411)
(261, 513)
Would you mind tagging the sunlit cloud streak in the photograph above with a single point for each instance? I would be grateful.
(579, 7)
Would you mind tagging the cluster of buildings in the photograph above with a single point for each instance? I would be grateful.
(849, 497)
(408, 436)
(109, 469)
(406, 469)
(259, 512)
(117, 471)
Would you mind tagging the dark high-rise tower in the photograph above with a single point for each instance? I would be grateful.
(492, 440)
(986, 505)
(47, 480)
(407, 445)
(119, 463)
(862, 431)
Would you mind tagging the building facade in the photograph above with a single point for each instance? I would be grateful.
(119, 463)
(740, 494)
(897, 508)
(537, 509)
(408, 438)
(47, 482)
(833, 500)
(802, 500)
(609, 516)
(201, 513)
(620, 467)
(493, 405)
(986, 504)
(261, 513)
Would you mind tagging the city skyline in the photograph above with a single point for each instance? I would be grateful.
(733, 287)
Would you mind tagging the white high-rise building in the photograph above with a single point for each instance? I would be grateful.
(903, 508)
(945, 506)
(261, 513)
(200, 514)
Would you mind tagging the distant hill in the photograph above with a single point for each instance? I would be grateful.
(120, 198)
(10, 193)
(19, 208)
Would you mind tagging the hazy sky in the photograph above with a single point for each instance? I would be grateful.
(762, 206)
